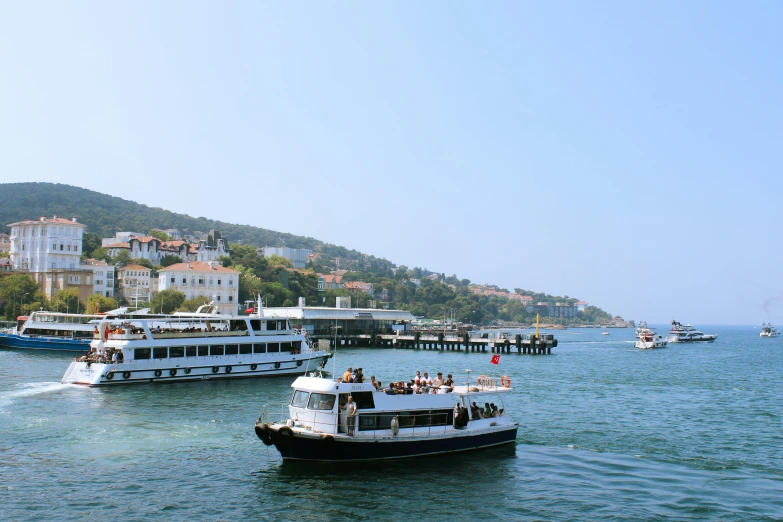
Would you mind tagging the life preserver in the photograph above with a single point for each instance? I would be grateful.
(277, 365)
(158, 373)
(173, 372)
(228, 369)
(126, 375)
(215, 369)
(187, 370)
(110, 376)
(299, 363)
(482, 379)
(253, 366)
(505, 381)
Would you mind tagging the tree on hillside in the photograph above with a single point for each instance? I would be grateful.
(159, 234)
(90, 242)
(169, 260)
(166, 301)
(17, 290)
(123, 258)
(279, 262)
(275, 294)
(68, 301)
(98, 303)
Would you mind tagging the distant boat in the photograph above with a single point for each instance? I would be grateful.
(604, 333)
(767, 330)
(640, 330)
(648, 341)
(685, 333)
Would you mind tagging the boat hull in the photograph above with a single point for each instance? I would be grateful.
(113, 374)
(706, 339)
(648, 345)
(44, 343)
(346, 449)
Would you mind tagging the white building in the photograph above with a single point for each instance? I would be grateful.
(211, 280)
(119, 237)
(39, 246)
(102, 276)
(297, 256)
(135, 283)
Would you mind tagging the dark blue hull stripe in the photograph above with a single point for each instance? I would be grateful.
(44, 343)
(299, 448)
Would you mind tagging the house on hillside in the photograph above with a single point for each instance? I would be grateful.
(211, 280)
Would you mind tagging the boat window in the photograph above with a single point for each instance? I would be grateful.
(238, 326)
(216, 350)
(203, 351)
(259, 348)
(245, 349)
(363, 400)
(255, 324)
(191, 351)
(321, 401)
(281, 325)
(300, 399)
(297, 346)
(285, 347)
(271, 325)
(272, 347)
(232, 349)
(142, 353)
(177, 351)
(160, 353)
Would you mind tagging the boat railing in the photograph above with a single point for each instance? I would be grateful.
(328, 423)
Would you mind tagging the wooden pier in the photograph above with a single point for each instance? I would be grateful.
(527, 344)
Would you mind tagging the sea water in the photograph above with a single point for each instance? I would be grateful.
(606, 431)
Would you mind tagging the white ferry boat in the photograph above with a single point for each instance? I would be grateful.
(314, 425)
(191, 348)
(685, 333)
(767, 330)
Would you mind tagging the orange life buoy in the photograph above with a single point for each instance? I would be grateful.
(482, 379)
(505, 381)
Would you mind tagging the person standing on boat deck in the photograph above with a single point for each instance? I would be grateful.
(350, 410)
(418, 377)
(359, 376)
(347, 375)
(474, 411)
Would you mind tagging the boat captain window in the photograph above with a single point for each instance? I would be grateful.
(321, 401)
(300, 399)
(142, 353)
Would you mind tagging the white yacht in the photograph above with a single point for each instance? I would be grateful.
(313, 426)
(189, 347)
(642, 328)
(767, 330)
(685, 333)
(648, 340)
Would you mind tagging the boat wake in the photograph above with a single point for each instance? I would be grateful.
(31, 389)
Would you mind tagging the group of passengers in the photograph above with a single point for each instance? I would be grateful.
(489, 411)
(99, 355)
(355, 376)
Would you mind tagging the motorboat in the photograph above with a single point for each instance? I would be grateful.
(767, 330)
(604, 333)
(43, 330)
(648, 340)
(187, 348)
(685, 333)
(314, 424)
(641, 328)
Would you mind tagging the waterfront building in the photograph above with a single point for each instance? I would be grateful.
(562, 311)
(211, 247)
(102, 276)
(297, 256)
(359, 286)
(324, 321)
(119, 237)
(134, 283)
(211, 280)
(329, 282)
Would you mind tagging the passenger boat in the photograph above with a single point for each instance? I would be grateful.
(51, 331)
(188, 348)
(641, 328)
(767, 330)
(685, 333)
(314, 427)
(648, 340)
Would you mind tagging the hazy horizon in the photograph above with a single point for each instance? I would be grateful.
(625, 154)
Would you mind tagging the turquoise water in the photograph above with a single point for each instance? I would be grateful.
(606, 431)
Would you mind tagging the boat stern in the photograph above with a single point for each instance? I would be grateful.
(90, 374)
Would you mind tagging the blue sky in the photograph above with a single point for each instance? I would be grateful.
(626, 153)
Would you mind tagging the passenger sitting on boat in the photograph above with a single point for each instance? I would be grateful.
(449, 381)
(494, 410)
(424, 387)
(427, 378)
(372, 380)
(114, 357)
(475, 412)
(500, 412)
(418, 377)
(487, 411)
(438, 380)
(390, 390)
(379, 386)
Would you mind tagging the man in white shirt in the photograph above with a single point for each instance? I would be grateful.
(350, 411)
(438, 380)
(427, 378)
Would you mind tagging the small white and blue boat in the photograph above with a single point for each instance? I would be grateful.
(51, 331)
(313, 426)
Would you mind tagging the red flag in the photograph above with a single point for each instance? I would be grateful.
(495, 359)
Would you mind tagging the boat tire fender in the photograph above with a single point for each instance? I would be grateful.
(215, 369)
(299, 363)
(253, 366)
(126, 375)
(228, 369)
(187, 371)
(264, 433)
(277, 365)
(110, 376)
(173, 372)
(327, 439)
(285, 432)
(158, 373)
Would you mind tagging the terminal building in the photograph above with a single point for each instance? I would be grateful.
(324, 322)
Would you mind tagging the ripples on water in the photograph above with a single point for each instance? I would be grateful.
(606, 431)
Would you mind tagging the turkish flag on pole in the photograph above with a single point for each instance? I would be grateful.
(495, 359)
